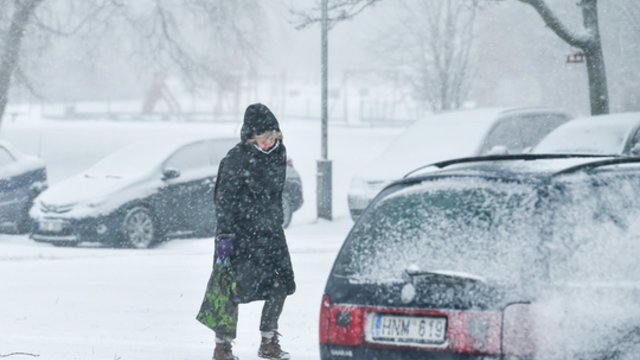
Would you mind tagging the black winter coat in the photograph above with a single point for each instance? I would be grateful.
(249, 205)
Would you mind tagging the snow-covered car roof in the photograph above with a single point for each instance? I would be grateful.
(17, 154)
(24, 162)
(429, 140)
(604, 134)
(146, 154)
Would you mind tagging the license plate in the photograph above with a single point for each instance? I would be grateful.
(51, 225)
(408, 329)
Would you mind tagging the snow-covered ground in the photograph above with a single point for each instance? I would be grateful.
(101, 303)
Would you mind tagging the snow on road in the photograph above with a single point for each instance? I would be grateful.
(103, 303)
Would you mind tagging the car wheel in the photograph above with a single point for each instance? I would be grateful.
(138, 228)
(286, 211)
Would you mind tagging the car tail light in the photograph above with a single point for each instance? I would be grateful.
(340, 324)
(517, 331)
(476, 332)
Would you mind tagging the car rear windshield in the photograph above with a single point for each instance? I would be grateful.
(462, 225)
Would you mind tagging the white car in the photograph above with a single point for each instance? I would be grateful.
(615, 134)
(452, 135)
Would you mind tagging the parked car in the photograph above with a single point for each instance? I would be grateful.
(141, 194)
(452, 135)
(615, 134)
(498, 257)
(22, 178)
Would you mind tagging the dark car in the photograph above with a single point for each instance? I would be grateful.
(142, 193)
(22, 178)
(492, 258)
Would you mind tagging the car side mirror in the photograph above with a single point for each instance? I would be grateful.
(170, 173)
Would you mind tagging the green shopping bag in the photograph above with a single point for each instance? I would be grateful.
(218, 312)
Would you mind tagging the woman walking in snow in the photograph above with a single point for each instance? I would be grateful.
(252, 260)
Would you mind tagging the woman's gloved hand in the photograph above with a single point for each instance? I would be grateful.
(224, 246)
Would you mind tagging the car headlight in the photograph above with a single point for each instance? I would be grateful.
(56, 209)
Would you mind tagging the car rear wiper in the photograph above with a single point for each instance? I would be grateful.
(411, 274)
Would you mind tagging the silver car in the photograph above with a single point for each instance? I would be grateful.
(615, 134)
(453, 135)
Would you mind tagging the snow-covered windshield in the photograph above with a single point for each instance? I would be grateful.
(129, 161)
(589, 139)
(472, 226)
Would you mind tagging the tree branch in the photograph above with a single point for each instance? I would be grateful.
(339, 10)
(580, 41)
(75, 29)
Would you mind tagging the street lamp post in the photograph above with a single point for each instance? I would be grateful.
(324, 190)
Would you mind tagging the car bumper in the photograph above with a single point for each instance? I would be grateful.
(331, 352)
(99, 229)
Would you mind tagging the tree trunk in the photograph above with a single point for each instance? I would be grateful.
(598, 90)
(9, 58)
(589, 43)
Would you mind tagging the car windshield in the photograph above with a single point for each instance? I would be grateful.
(463, 225)
(129, 161)
(589, 139)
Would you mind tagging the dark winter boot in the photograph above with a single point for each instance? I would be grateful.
(270, 348)
(223, 351)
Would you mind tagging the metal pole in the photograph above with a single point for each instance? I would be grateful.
(324, 196)
(325, 76)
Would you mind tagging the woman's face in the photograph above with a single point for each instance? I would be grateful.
(265, 143)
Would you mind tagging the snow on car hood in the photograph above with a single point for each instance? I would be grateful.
(85, 188)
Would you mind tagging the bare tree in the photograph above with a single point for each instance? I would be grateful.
(588, 41)
(21, 13)
(436, 42)
(439, 36)
(203, 40)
